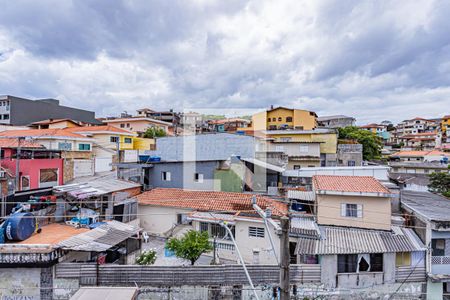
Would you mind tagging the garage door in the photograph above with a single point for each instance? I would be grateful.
(83, 167)
(103, 164)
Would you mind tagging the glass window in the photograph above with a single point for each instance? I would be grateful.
(351, 163)
(288, 119)
(347, 263)
(376, 262)
(48, 177)
(114, 139)
(351, 210)
(165, 176)
(84, 147)
(280, 119)
(5, 117)
(198, 177)
(402, 259)
(122, 125)
(438, 246)
(256, 231)
(127, 140)
(25, 183)
(274, 119)
(216, 230)
(64, 146)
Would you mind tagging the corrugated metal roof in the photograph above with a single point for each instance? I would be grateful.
(433, 207)
(341, 240)
(304, 226)
(302, 195)
(97, 186)
(101, 238)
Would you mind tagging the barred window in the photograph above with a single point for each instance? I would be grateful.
(256, 231)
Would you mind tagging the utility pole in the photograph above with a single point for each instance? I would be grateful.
(285, 259)
(17, 181)
(118, 148)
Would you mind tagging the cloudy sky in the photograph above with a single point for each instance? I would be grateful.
(374, 60)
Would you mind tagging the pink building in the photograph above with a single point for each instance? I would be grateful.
(38, 167)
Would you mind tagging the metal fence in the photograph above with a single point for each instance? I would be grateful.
(225, 275)
(410, 274)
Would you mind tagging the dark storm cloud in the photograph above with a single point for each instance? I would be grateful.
(389, 57)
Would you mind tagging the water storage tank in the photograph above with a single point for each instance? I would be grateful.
(20, 226)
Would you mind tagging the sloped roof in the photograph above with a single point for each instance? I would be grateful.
(52, 234)
(98, 129)
(342, 240)
(357, 184)
(413, 153)
(100, 238)
(53, 121)
(14, 143)
(373, 125)
(431, 206)
(209, 200)
(36, 133)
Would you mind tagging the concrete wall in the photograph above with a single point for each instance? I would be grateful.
(328, 267)
(183, 175)
(158, 220)
(376, 211)
(26, 283)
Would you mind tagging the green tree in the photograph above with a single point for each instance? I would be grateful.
(440, 183)
(371, 143)
(147, 258)
(153, 132)
(190, 246)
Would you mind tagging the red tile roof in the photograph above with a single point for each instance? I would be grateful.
(413, 153)
(14, 143)
(97, 128)
(363, 184)
(40, 133)
(209, 200)
(53, 121)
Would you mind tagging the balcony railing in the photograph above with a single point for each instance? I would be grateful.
(440, 260)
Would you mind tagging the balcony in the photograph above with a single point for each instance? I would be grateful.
(440, 265)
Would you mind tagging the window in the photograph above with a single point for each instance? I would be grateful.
(355, 263)
(256, 231)
(288, 119)
(297, 167)
(48, 177)
(268, 119)
(165, 176)
(84, 147)
(285, 139)
(438, 246)
(198, 177)
(114, 139)
(402, 259)
(274, 119)
(351, 163)
(128, 140)
(279, 148)
(280, 119)
(5, 117)
(122, 125)
(128, 125)
(25, 183)
(304, 149)
(216, 230)
(351, 210)
(64, 146)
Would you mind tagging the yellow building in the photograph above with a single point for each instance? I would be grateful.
(283, 118)
(445, 123)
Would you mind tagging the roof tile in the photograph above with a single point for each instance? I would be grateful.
(364, 184)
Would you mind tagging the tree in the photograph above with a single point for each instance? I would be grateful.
(147, 257)
(190, 246)
(371, 143)
(153, 132)
(440, 183)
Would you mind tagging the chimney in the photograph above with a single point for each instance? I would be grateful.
(271, 107)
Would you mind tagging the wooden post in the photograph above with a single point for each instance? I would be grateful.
(284, 260)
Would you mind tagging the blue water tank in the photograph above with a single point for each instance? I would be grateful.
(2, 235)
(20, 226)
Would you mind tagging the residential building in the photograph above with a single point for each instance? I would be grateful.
(167, 116)
(37, 167)
(138, 124)
(303, 177)
(420, 156)
(349, 154)
(327, 138)
(416, 125)
(230, 125)
(353, 201)
(300, 154)
(74, 149)
(192, 121)
(445, 128)
(338, 121)
(429, 216)
(54, 124)
(374, 128)
(419, 141)
(166, 211)
(108, 141)
(218, 161)
(21, 111)
(282, 118)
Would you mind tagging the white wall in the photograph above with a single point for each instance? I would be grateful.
(158, 220)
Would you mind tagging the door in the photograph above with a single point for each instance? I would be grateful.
(103, 164)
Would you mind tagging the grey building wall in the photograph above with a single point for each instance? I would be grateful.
(182, 175)
(347, 153)
(328, 266)
(25, 111)
(389, 267)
